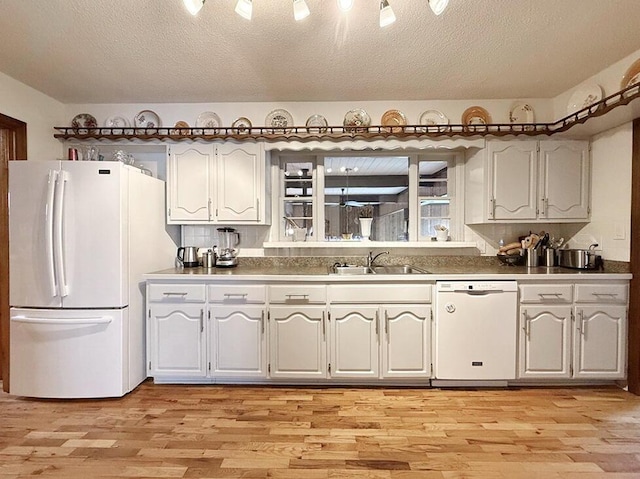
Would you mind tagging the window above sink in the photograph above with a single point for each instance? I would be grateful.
(327, 198)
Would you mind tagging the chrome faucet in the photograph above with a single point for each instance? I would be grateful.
(371, 258)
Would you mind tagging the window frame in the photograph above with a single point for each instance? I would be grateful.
(455, 190)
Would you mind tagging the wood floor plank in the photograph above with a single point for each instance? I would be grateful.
(325, 433)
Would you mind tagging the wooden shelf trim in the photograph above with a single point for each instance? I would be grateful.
(342, 133)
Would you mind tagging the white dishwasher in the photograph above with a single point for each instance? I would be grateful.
(475, 330)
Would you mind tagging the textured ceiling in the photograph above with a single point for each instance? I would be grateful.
(153, 51)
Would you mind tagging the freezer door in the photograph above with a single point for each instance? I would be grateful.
(68, 354)
(94, 234)
(32, 270)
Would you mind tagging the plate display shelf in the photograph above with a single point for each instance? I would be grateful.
(573, 123)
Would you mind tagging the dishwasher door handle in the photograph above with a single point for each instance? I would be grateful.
(481, 292)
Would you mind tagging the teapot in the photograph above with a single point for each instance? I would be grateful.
(187, 256)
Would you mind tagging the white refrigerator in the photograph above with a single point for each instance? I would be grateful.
(81, 235)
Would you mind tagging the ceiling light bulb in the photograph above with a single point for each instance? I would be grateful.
(244, 8)
(343, 169)
(300, 10)
(193, 6)
(329, 170)
(438, 6)
(387, 17)
(345, 5)
(355, 168)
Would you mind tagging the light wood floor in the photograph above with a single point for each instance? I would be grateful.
(311, 433)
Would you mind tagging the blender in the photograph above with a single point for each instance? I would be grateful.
(228, 239)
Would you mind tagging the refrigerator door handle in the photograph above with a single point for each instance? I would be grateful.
(51, 270)
(58, 220)
(68, 321)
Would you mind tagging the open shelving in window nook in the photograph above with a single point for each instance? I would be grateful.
(298, 201)
(434, 197)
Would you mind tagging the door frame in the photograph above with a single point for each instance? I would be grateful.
(13, 146)
(633, 336)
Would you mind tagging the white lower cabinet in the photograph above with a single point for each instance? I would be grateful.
(600, 342)
(380, 331)
(406, 341)
(222, 331)
(354, 344)
(237, 331)
(237, 341)
(545, 341)
(297, 340)
(175, 340)
(573, 336)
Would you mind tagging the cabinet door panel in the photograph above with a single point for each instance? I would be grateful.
(298, 341)
(565, 179)
(600, 341)
(406, 344)
(189, 183)
(512, 180)
(177, 348)
(239, 180)
(545, 342)
(354, 341)
(238, 346)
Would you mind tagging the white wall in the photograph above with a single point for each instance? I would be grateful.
(609, 80)
(611, 195)
(39, 111)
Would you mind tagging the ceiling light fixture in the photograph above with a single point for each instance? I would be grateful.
(438, 6)
(300, 10)
(244, 8)
(345, 5)
(387, 17)
(193, 6)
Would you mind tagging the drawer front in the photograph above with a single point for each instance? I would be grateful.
(602, 293)
(546, 293)
(310, 294)
(225, 293)
(177, 293)
(380, 293)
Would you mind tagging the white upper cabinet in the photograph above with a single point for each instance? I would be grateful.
(513, 177)
(240, 171)
(189, 183)
(219, 184)
(524, 181)
(564, 185)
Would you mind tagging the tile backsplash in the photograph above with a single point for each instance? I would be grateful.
(205, 236)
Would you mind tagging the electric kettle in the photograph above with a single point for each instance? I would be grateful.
(187, 256)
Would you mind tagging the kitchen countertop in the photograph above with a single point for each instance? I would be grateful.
(440, 268)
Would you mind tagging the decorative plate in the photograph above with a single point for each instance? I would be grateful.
(433, 118)
(521, 113)
(208, 120)
(242, 124)
(84, 121)
(146, 119)
(584, 97)
(393, 118)
(181, 128)
(117, 125)
(279, 119)
(476, 115)
(317, 124)
(357, 120)
(632, 75)
(116, 122)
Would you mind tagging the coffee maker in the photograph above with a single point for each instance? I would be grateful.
(228, 239)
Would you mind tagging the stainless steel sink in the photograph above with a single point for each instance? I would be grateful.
(399, 269)
(349, 269)
(361, 270)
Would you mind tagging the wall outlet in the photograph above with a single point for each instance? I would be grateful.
(619, 231)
